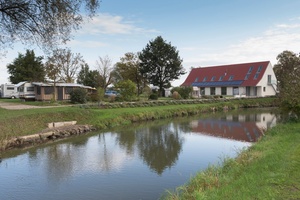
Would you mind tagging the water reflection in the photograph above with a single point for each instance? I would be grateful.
(135, 162)
(241, 127)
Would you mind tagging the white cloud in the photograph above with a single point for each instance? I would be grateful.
(109, 24)
(260, 48)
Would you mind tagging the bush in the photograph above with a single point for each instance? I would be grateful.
(153, 96)
(176, 95)
(78, 96)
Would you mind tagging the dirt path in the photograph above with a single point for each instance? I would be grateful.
(16, 106)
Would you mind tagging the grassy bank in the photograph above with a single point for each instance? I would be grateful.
(25, 122)
(267, 170)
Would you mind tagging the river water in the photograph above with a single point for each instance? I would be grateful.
(140, 161)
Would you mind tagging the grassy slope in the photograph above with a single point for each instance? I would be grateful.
(268, 170)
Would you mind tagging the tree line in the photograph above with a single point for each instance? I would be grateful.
(158, 63)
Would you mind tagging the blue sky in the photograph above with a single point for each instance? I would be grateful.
(205, 32)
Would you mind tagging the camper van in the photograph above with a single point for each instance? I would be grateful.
(9, 91)
(26, 91)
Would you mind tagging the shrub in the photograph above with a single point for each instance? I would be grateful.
(153, 96)
(176, 95)
(78, 95)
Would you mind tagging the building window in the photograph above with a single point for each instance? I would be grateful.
(221, 78)
(259, 69)
(68, 90)
(212, 91)
(196, 80)
(204, 79)
(30, 89)
(250, 70)
(256, 76)
(230, 78)
(213, 78)
(10, 88)
(202, 91)
(264, 89)
(269, 79)
(49, 90)
(223, 91)
(38, 90)
(247, 76)
(235, 91)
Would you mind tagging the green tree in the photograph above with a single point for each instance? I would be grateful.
(43, 22)
(26, 67)
(127, 89)
(160, 63)
(88, 77)
(128, 69)
(185, 92)
(287, 71)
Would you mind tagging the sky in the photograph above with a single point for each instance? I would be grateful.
(205, 32)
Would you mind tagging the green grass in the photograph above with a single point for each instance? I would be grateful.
(15, 123)
(268, 170)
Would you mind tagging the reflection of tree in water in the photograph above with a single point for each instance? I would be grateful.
(159, 146)
(126, 140)
(59, 162)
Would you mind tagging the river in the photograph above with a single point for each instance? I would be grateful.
(140, 161)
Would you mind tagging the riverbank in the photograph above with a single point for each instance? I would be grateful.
(267, 170)
(17, 123)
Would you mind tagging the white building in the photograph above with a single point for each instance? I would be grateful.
(240, 80)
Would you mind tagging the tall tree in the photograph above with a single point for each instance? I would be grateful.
(88, 77)
(287, 71)
(26, 67)
(43, 22)
(128, 69)
(105, 70)
(160, 63)
(68, 64)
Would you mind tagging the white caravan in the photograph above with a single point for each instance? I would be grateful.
(26, 91)
(9, 91)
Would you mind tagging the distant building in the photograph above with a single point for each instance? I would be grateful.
(255, 79)
(45, 91)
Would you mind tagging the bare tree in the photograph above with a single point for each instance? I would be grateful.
(67, 63)
(105, 69)
(43, 22)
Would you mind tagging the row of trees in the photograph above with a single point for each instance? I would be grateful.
(158, 64)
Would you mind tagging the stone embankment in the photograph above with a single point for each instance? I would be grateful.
(55, 130)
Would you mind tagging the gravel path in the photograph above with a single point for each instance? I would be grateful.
(16, 106)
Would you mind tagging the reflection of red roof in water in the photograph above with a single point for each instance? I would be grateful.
(241, 131)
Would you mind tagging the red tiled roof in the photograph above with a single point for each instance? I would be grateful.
(237, 71)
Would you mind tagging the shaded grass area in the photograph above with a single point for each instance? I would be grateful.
(267, 170)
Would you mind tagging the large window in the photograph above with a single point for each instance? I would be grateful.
(202, 91)
(10, 88)
(38, 90)
(235, 91)
(269, 79)
(212, 91)
(30, 89)
(49, 90)
(68, 90)
(223, 91)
